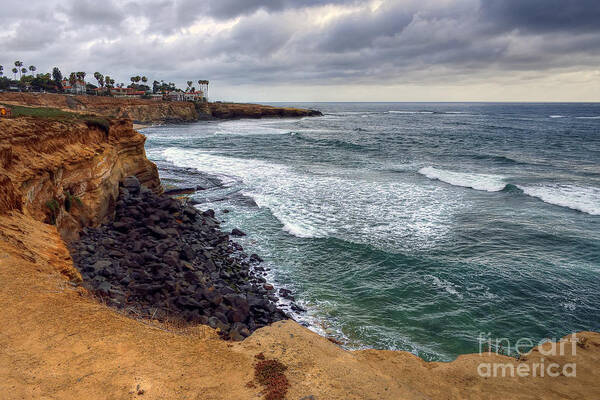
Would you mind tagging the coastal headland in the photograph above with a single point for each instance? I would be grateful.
(143, 111)
(66, 180)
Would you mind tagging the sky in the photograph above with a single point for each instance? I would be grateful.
(321, 50)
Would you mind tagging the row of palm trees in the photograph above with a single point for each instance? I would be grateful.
(19, 69)
(191, 88)
(104, 81)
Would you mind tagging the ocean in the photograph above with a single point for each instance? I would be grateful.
(411, 226)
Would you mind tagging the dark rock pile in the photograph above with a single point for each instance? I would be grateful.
(165, 259)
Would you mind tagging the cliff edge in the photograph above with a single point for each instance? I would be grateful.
(67, 172)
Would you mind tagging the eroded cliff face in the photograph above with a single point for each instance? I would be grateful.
(67, 173)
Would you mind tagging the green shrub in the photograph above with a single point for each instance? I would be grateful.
(71, 200)
(53, 206)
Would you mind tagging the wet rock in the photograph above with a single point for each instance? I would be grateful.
(237, 232)
(297, 308)
(255, 258)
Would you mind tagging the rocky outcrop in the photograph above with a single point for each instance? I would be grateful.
(237, 110)
(67, 172)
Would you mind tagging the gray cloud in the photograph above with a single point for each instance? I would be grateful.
(544, 15)
(283, 41)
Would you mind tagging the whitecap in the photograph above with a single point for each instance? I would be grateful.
(557, 116)
(584, 199)
(486, 182)
(449, 287)
(250, 127)
(594, 117)
(409, 112)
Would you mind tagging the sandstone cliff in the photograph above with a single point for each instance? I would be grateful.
(67, 172)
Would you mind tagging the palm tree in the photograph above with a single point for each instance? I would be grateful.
(23, 71)
(18, 64)
(81, 76)
(144, 79)
(1, 70)
(100, 78)
(14, 71)
(189, 83)
(32, 68)
(72, 78)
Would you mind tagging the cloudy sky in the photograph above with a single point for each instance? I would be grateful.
(321, 50)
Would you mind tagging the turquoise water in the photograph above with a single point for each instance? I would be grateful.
(412, 226)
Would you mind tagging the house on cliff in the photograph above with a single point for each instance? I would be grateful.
(184, 96)
(126, 92)
(77, 88)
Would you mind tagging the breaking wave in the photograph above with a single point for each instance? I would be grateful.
(584, 199)
(485, 182)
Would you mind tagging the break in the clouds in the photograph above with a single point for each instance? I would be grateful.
(321, 49)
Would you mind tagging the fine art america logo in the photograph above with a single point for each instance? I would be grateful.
(520, 350)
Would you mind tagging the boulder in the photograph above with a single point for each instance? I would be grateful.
(132, 184)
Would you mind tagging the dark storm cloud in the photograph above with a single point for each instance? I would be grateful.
(544, 15)
(235, 8)
(283, 41)
(360, 30)
(93, 12)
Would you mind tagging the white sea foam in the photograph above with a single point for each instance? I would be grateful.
(445, 285)
(557, 116)
(594, 117)
(351, 207)
(409, 112)
(486, 182)
(245, 128)
(584, 199)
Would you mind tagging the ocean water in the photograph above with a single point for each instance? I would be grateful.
(412, 226)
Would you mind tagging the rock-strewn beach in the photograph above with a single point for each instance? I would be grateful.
(162, 259)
